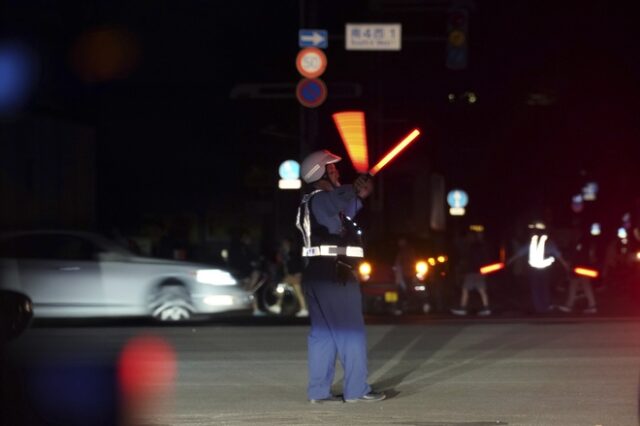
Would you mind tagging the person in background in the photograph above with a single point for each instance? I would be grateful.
(542, 252)
(290, 265)
(474, 256)
(403, 270)
(584, 255)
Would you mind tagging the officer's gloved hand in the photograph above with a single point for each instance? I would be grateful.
(363, 185)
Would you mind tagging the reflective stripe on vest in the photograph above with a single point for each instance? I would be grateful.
(325, 250)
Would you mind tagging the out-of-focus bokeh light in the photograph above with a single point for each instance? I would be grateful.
(622, 233)
(422, 268)
(595, 229)
(105, 54)
(365, 270)
(431, 261)
(18, 75)
(441, 259)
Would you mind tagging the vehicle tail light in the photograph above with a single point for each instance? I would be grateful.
(365, 271)
(585, 272)
(491, 268)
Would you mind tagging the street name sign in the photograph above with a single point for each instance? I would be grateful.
(373, 36)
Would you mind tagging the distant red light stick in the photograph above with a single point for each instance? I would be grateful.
(353, 132)
(585, 272)
(491, 268)
(395, 151)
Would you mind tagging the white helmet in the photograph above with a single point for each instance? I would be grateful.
(313, 166)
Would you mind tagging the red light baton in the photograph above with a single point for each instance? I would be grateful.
(585, 272)
(395, 151)
(491, 268)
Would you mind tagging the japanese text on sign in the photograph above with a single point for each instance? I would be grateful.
(373, 36)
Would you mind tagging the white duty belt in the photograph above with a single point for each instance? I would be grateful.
(324, 250)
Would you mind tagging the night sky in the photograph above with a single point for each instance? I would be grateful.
(170, 136)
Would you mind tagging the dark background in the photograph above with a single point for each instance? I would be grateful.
(171, 137)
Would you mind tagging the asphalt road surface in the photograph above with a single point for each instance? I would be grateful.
(472, 372)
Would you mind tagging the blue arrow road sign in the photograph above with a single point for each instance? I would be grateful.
(313, 38)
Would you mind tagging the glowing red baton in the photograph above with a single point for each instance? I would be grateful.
(352, 130)
(586, 272)
(395, 151)
(491, 268)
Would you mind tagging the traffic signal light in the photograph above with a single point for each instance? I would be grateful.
(457, 39)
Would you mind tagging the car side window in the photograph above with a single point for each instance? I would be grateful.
(72, 248)
(49, 247)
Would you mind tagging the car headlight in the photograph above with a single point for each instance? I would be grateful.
(215, 277)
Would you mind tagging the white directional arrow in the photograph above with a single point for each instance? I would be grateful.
(315, 38)
(536, 253)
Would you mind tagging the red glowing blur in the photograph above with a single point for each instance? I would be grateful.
(395, 151)
(491, 268)
(352, 129)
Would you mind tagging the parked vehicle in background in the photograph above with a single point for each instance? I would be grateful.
(16, 314)
(71, 274)
(402, 276)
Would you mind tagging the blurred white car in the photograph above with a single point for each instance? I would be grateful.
(78, 274)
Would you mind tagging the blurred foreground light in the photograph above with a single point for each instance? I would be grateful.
(215, 277)
(289, 184)
(431, 261)
(638, 255)
(420, 288)
(476, 228)
(18, 75)
(146, 374)
(219, 300)
(441, 259)
(595, 229)
(105, 54)
(451, 97)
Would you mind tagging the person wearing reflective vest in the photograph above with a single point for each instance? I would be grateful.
(332, 248)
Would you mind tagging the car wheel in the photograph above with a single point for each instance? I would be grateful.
(171, 303)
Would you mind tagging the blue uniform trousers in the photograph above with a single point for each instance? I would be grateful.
(337, 331)
(540, 290)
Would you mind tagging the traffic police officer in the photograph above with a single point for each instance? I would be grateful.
(332, 247)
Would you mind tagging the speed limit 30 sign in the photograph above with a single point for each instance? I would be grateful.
(311, 62)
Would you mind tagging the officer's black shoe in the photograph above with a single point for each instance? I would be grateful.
(328, 400)
(370, 397)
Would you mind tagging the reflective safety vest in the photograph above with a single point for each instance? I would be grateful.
(536, 253)
(317, 241)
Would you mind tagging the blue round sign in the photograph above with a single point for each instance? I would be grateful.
(289, 169)
(457, 198)
(311, 92)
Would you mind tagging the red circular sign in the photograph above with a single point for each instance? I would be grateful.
(311, 62)
(311, 92)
